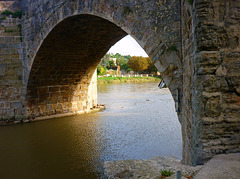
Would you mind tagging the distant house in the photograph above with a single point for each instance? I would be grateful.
(114, 60)
(115, 70)
(112, 72)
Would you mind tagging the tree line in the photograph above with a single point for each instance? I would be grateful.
(127, 63)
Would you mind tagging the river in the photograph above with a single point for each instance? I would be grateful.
(139, 122)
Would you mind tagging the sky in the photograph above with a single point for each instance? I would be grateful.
(128, 46)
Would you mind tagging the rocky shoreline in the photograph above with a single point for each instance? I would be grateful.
(23, 121)
(151, 169)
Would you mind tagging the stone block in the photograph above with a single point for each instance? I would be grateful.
(42, 90)
(231, 98)
(231, 63)
(211, 37)
(64, 88)
(206, 62)
(59, 108)
(16, 105)
(49, 109)
(211, 83)
(3, 70)
(204, 11)
(54, 88)
(213, 106)
(5, 56)
(233, 82)
(52, 100)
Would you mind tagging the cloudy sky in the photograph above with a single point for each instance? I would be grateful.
(128, 46)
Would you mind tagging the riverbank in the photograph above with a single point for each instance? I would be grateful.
(219, 167)
(152, 168)
(104, 80)
(23, 121)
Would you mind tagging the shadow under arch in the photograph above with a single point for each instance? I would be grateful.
(65, 62)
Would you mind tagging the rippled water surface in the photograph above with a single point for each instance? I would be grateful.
(140, 122)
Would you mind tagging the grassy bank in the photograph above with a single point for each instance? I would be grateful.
(103, 80)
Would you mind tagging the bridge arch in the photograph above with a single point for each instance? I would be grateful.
(157, 37)
(65, 63)
(65, 60)
(65, 51)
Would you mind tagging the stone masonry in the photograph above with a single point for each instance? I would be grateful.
(49, 55)
(11, 76)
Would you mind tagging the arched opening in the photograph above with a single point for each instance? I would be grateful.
(142, 117)
(64, 64)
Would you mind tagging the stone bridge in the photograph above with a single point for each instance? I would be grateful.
(49, 50)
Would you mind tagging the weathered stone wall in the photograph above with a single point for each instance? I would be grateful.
(62, 99)
(216, 75)
(211, 116)
(12, 90)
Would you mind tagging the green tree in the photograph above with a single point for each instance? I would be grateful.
(123, 63)
(151, 66)
(138, 63)
(104, 60)
(126, 67)
(110, 64)
(127, 57)
(117, 55)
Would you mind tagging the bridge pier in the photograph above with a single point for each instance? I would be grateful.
(45, 101)
(211, 63)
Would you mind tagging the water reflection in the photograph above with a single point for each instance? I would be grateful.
(61, 148)
(139, 123)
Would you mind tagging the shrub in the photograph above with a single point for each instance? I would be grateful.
(17, 14)
(166, 173)
(8, 30)
(7, 13)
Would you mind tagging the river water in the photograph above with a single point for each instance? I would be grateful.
(140, 122)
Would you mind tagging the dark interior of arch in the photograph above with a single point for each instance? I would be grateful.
(66, 61)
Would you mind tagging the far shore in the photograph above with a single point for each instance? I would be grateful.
(104, 80)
